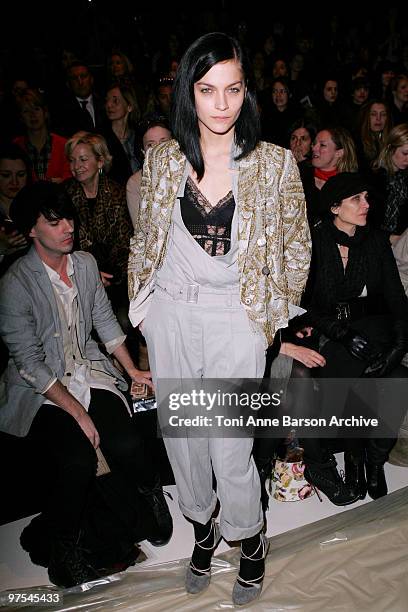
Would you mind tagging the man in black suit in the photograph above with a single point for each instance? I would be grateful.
(81, 109)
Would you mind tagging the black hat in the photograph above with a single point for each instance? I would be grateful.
(341, 186)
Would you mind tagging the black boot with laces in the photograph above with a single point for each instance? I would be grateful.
(355, 474)
(68, 565)
(154, 497)
(325, 477)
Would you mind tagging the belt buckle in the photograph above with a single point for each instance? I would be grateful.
(343, 310)
(192, 294)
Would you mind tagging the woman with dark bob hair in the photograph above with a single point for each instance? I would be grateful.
(221, 249)
(358, 321)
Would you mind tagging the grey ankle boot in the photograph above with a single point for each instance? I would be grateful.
(196, 583)
(242, 595)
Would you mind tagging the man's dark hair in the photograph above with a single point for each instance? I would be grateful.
(199, 58)
(77, 64)
(41, 198)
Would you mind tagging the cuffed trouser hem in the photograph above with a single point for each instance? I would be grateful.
(200, 516)
(232, 534)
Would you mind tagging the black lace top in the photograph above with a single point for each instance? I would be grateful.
(209, 225)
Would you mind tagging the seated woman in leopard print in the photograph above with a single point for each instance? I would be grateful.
(104, 224)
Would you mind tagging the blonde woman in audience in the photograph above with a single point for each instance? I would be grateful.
(333, 151)
(390, 177)
(104, 226)
(123, 114)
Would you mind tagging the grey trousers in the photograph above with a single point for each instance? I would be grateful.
(210, 339)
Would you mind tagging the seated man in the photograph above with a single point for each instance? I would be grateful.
(61, 391)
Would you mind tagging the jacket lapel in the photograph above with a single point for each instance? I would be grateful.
(81, 284)
(43, 284)
(248, 184)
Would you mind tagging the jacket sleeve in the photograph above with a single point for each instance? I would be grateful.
(138, 243)
(103, 317)
(296, 233)
(19, 331)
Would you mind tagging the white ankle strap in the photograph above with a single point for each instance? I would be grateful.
(255, 582)
(204, 572)
(262, 543)
(213, 528)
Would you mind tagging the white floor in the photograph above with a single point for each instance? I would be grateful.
(17, 571)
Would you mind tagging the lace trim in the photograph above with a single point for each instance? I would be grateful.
(201, 202)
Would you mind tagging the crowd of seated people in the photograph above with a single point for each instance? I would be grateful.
(348, 131)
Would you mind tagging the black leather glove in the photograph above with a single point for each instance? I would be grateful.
(357, 345)
(385, 362)
(388, 360)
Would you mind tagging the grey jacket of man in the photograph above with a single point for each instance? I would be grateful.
(31, 328)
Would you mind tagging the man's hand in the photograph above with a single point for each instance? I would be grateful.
(86, 424)
(60, 396)
(141, 377)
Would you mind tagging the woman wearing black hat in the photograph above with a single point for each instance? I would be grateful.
(359, 315)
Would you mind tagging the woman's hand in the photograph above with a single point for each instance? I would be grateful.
(309, 357)
(106, 279)
(298, 154)
(8, 242)
(305, 332)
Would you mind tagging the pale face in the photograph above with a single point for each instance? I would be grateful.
(34, 117)
(53, 237)
(219, 96)
(280, 96)
(80, 81)
(400, 157)
(352, 212)
(155, 135)
(83, 163)
(300, 143)
(116, 106)
(325, 156)
(13, 177)
(330, 91)
(378, 117)
(118, 66)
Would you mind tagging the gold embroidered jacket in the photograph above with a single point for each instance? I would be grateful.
(273, 232)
